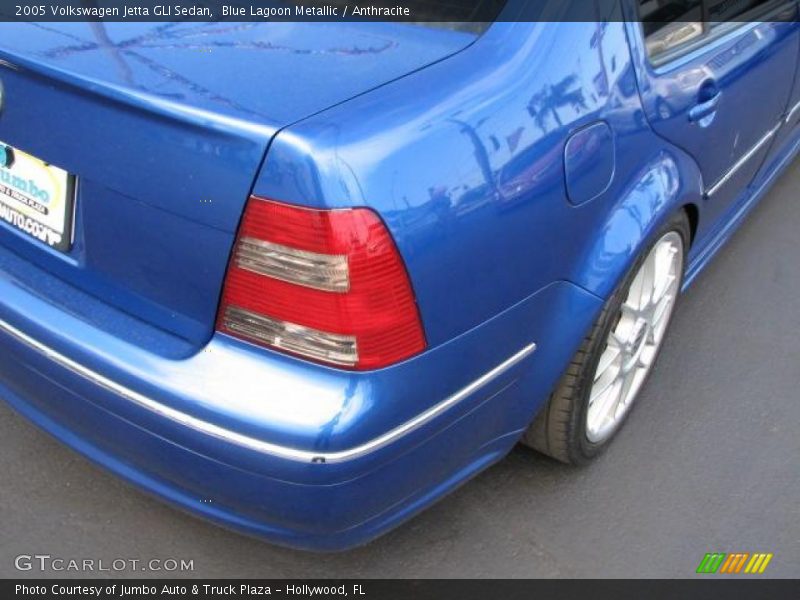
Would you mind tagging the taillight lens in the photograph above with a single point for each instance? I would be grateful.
(328, 285)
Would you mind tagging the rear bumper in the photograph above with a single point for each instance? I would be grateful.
(299, 454)
(313, 516)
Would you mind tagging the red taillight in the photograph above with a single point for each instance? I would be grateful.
(328, 285)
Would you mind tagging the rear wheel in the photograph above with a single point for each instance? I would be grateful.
(595, 394)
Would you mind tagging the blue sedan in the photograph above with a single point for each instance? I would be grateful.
(304, 279)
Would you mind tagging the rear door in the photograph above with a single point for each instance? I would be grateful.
(715, 78)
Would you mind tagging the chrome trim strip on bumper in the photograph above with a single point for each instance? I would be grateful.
(742, 161)
(254, 444)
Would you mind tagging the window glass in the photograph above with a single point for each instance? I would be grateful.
(671, 24)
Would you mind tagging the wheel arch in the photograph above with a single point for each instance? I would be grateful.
(693, 214)
(669, 183)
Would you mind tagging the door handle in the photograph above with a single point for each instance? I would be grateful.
(704, 109)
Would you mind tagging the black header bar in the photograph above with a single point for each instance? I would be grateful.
(417, 11)
(462, 589)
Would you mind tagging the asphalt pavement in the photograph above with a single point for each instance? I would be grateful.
(708, 461)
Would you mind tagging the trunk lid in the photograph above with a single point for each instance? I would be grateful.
(165, 126)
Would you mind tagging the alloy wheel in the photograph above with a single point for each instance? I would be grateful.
(635, 339)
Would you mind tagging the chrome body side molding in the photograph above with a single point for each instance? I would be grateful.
(254, 444)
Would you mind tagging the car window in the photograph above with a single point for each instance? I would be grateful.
(670, 25)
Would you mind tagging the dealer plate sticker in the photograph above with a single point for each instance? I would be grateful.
(36, 197)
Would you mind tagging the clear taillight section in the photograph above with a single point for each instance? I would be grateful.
(328, 285)
(320, 271)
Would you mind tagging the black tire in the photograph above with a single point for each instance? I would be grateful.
(559, 430)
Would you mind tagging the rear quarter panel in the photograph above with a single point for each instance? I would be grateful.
(464, 160)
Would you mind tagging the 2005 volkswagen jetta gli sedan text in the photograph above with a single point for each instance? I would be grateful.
(303, 279)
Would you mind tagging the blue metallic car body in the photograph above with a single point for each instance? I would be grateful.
(461, 144)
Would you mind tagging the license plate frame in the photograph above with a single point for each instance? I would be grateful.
(37, 198)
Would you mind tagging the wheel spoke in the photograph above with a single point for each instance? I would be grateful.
(602, 385)
(609, 400)
(664, 287)
(661, 310)
(611, 353)
(622, 401)
(647, 356)
(614, 339)
(630, 311)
